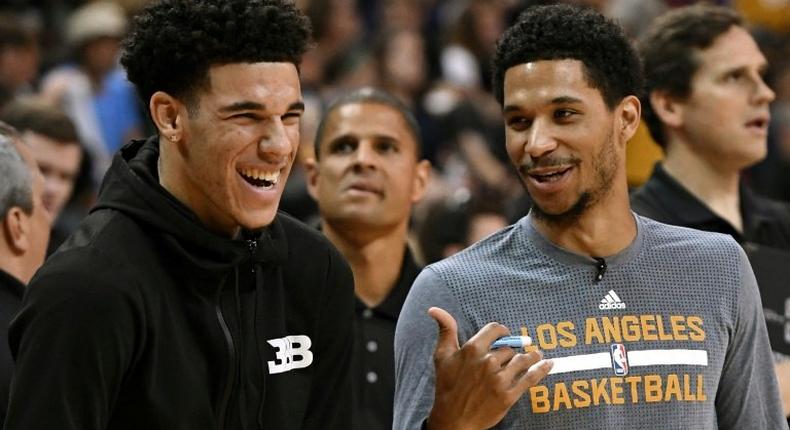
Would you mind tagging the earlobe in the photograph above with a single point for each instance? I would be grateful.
(16, 228)
(630, 114)
(311, 172)
(166, 114)
(667, 108)
(421, 178)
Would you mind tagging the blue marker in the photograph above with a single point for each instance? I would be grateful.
(514, 342)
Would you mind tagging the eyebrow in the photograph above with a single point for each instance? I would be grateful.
(382, 137)
(562, 100)
(249, 105)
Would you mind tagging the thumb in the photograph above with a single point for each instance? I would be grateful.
(447, 342)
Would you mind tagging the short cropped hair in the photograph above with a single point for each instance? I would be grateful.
(173, 43)
(16, 187)
(41, 118)
(370, 95)
(560, 32)
(669, 53)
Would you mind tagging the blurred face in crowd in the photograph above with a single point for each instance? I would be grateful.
(562, 137)
(368, 172)
(233, 154)
(404, 61)
(725, 118)
(19, 65)
(38, 221)
(59, 163)
(100, 55)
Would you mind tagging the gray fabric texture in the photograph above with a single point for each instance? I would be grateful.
(687, 311)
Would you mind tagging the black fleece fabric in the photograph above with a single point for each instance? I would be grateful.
(144, 319)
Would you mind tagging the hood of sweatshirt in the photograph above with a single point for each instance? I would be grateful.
(131, 186)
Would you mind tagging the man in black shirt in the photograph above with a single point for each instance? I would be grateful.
(709, 110)
(366, 176)
(24, 232)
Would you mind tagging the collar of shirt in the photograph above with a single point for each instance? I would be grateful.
(392, 304)
(759, 214)
(11, 284)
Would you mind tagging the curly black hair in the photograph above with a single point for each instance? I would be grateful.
(559, 32)
(669, 52)
(173, 43)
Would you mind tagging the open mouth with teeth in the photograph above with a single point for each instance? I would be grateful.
(259, 178)
(550, 176)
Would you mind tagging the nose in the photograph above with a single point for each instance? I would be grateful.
(275, 143)
(365, 156)
(540, 139)
(763, 93)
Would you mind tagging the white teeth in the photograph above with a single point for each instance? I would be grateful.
(259, 175)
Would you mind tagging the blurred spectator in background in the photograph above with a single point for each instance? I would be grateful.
(53, 140)
(458, 221)
(19, 56)
(93, 89)
(709, 109)
(25, 229)
(366, 176)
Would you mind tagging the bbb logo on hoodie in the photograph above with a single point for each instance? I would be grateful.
(291, 352)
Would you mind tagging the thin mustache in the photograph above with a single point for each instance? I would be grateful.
(530, 164)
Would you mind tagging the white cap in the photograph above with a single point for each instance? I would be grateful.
(96, 19)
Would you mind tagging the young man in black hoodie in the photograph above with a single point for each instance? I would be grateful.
(185, 300)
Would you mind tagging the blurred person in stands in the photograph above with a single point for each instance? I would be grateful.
(19, 56)
(53, 139)
(367, 174)
(456, 222)
(25, 230)
(707, 104)
(93, 89)
(186, 299)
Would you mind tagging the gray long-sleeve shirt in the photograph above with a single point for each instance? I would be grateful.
(672, 336)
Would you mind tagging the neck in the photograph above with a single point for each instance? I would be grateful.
(714, 184)
(177, 187)
(14, 266)
(603, 229)
(375, 260)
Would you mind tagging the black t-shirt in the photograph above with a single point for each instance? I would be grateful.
(373, 368)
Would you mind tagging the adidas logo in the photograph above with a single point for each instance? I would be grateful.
(611, 301)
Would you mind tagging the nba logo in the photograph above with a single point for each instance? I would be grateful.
(619, 359)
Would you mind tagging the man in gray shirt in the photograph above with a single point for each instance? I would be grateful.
(641, 325)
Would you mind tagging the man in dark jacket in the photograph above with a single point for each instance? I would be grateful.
(185, 301)
(24, 232)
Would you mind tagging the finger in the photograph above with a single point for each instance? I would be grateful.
(533, 376)
(447, 342)
(520, 364)
(483, 339)
(503, 355)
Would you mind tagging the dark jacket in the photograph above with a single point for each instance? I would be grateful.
(146, 320)
(11, 291)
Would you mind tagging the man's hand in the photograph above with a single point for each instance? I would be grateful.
(476, 386)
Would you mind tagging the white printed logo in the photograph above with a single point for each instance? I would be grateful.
(611, 301)
(291, 352)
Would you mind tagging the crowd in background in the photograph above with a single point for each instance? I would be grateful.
(432, 54)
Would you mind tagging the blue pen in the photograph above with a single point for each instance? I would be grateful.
(514, 342)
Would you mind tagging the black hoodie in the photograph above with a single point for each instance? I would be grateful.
(144, 319)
